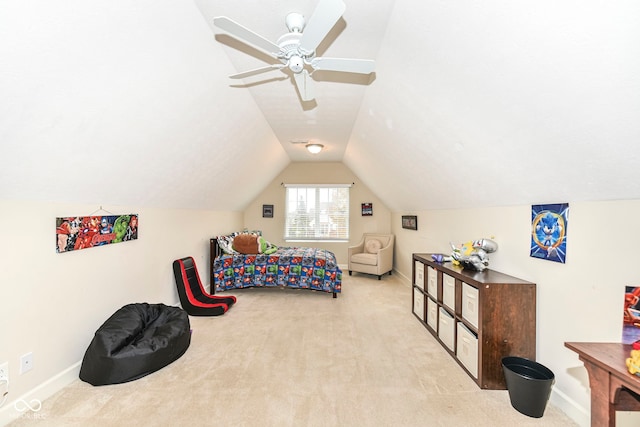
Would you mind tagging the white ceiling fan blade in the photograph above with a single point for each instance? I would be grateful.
(257, 71)
(305, 85)
(246, 35)
(362, 66)
(321, 22)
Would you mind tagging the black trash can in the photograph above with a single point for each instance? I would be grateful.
(529, 385)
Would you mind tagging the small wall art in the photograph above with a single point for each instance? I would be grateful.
(410, 222)
(84, 232)
(631, 315)
(267, 211)
(549, 231)
(367, 209)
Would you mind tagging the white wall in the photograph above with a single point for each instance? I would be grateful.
(52, 303)
(580, 300)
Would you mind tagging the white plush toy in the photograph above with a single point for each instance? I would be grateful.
(473, 254)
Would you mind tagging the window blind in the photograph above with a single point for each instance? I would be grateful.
(317, 212)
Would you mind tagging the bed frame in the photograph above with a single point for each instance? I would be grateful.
(215, 251)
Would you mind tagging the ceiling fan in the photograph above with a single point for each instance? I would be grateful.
(296, 50)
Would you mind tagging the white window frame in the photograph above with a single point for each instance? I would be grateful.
(306, 207)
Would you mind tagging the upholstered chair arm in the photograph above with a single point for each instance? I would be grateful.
(385, 258)
(359, 248)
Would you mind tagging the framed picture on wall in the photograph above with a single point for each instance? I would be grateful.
(410, 222)
(267, 211)
(631, 315)
(367, 209)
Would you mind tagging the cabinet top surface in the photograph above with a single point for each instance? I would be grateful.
(486, 276)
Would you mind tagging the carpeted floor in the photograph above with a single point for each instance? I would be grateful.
(300, 358)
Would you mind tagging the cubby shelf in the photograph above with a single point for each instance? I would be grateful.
(478, 317)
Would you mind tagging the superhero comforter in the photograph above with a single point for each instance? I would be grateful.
(291, 267)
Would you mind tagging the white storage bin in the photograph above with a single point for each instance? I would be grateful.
(432, 282)
(418, 303)
(432, 314)
(446, 326)
(449, 291)
(470, 304)
(467, 349)
(419, 275)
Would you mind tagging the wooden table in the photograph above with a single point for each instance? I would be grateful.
(612, 386)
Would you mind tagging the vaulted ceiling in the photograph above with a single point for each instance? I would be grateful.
(472, 103)
(328, 119)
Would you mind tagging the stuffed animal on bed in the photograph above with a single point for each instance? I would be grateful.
(250, 244)
(246, 243)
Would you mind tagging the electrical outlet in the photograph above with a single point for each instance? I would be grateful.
(4, 371)
(26, 363)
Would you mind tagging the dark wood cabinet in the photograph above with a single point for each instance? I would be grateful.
(478, 317)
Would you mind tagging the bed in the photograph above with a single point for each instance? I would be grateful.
(285, 267)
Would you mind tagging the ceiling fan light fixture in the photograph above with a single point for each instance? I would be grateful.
(314, 148)
(295, 22)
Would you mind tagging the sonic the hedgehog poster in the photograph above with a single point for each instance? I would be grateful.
(549, 231)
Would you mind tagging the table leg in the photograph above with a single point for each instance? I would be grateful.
(603, 412)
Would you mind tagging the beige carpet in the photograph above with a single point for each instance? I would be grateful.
(300, 358)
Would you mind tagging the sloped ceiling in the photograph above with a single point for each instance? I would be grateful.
(328, 119)
(125, 103)
(472, 103)
(498, 103)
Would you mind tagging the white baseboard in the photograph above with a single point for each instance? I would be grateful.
(406, 279)
(567, 405)
(345, 271)
(16, 408)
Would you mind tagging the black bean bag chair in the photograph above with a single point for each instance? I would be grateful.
(135, 341)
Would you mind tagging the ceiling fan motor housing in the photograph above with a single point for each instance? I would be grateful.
(296, 64)
(290, 54)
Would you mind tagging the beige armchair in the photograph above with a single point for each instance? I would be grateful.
(373, 255)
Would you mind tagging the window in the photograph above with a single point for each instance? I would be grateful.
(317, 212)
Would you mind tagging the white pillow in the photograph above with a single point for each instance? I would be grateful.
(372, 246)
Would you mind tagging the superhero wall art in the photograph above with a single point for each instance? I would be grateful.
(549, 231)
(631, 315)
(83, 232)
